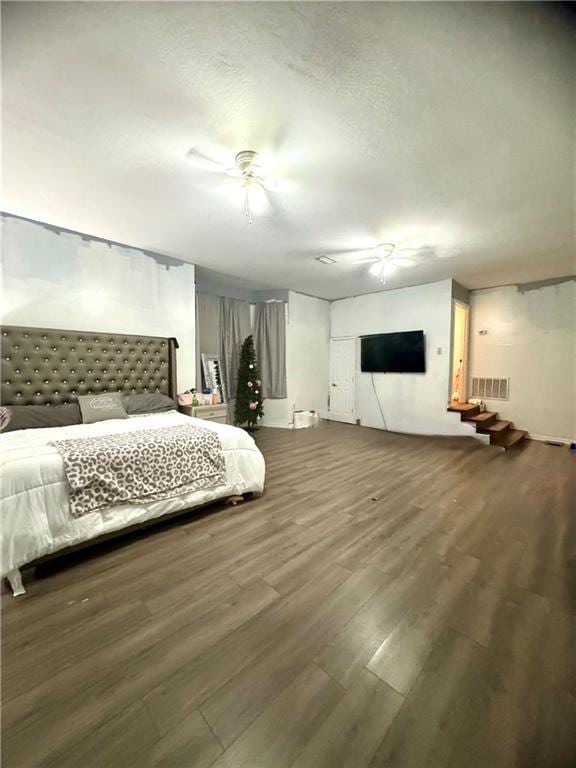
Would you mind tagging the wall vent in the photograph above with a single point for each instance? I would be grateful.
(490, 389)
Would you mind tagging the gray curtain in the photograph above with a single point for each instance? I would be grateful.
(208, 330)
(270, 342)
(234, 327)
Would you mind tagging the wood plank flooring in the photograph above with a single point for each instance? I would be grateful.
(389, 602)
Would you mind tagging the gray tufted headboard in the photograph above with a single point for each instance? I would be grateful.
(46, 366)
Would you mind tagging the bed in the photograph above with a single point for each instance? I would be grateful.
(52, 367)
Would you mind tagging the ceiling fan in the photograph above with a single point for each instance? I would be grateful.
(248, 169)
(383, 258)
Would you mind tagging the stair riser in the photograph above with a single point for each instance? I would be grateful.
(481, 425)
(516, 436)
(494, 435)
(466, 416)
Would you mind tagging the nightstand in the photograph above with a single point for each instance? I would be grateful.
(217, 413)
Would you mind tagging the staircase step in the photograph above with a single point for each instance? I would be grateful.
(510, 437)
(483, 419)
(463, 408)
(499, 426)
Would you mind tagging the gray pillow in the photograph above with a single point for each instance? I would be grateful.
(40, 416)
(101, 407)
(151, 402)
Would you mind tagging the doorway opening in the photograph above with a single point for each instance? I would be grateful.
(459, 377)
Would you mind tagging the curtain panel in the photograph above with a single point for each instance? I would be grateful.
(270, 342)
(208, 330)
(234, 327)
(222, 325)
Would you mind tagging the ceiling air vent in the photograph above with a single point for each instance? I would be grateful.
(490, 389)
(325, 260)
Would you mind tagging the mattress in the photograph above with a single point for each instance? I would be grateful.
(35, 513)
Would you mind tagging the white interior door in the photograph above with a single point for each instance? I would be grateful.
(342, 380)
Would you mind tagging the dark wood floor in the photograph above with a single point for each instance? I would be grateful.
(390, 601)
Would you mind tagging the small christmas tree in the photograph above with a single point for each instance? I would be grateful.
(248, 408)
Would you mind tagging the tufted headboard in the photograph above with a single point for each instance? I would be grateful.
(45, 366)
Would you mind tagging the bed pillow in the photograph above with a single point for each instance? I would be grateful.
(40, 416)
(101, 407)
(151, 402)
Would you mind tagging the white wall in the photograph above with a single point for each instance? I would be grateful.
(59, 280)
(308, 353)
(414, 403)
(531, 338)
(276, 413)
(307, 360)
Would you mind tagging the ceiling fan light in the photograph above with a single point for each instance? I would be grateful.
(376, 269)
(382, 270)
(388, 268)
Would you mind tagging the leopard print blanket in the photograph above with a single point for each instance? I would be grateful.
(140, 466)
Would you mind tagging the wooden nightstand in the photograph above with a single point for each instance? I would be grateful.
(217, 413)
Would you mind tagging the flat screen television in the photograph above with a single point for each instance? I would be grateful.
(393, 353)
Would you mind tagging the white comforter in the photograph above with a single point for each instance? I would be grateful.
(35, 515)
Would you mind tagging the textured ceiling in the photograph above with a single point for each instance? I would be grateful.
(442, 126)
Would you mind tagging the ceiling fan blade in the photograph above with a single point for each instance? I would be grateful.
(269, 183)
(367, 260)
(205, 161)
(349, 254)
(422, 253)
(272, 202)
(401, 261)
(375, 253)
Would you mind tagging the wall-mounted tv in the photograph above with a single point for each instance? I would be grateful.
(393, 353)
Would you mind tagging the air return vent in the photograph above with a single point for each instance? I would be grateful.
(490, 389)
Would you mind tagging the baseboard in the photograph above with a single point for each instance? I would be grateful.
(351, 420)
(546, 438)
